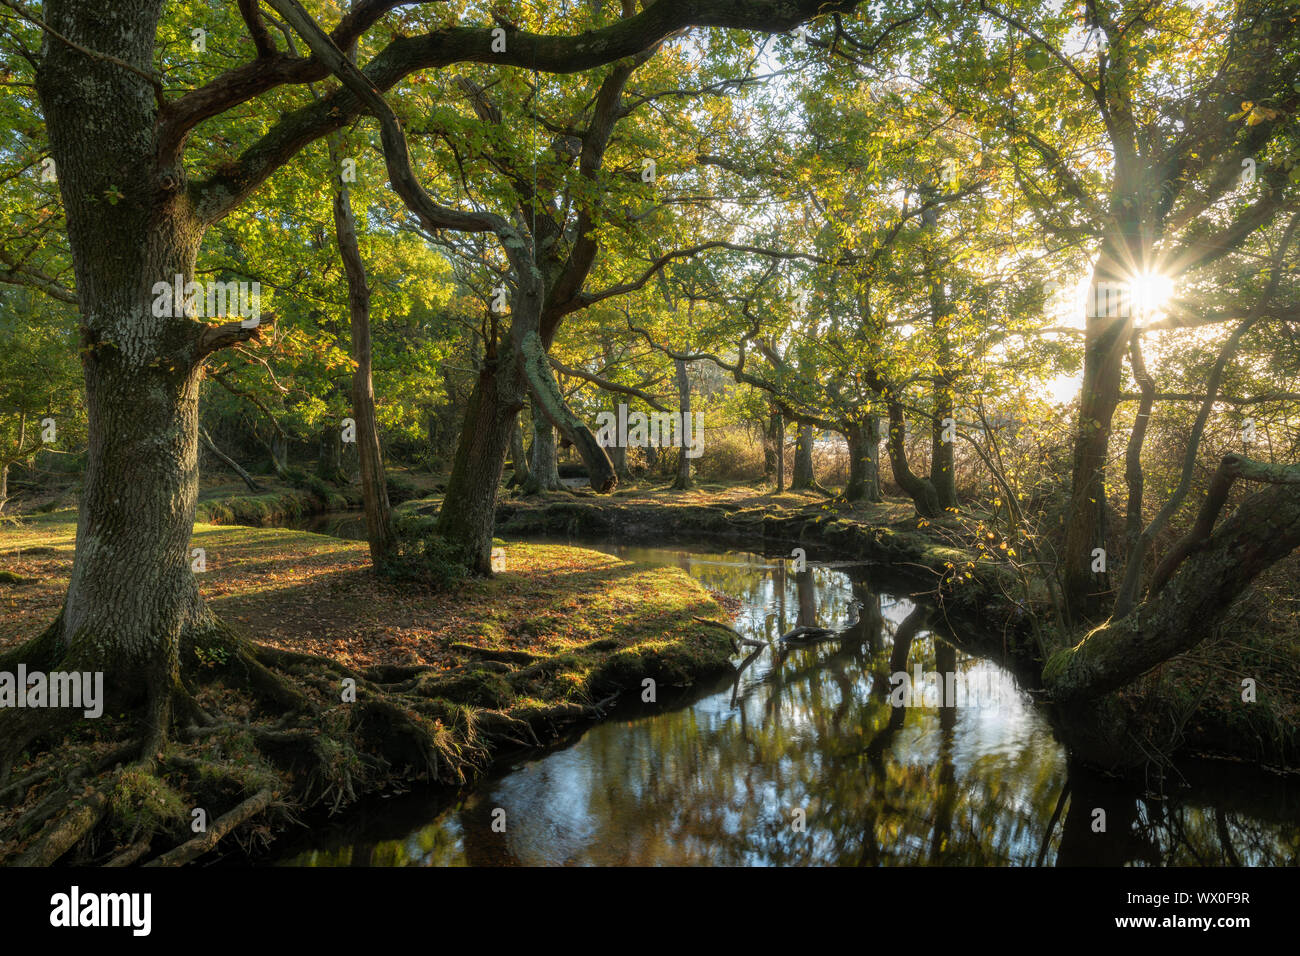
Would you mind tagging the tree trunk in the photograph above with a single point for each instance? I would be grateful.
(543, 465)
(509, 372)
(778, 433)
(547, 399)
(131, 593)
(374, 488)
(1262, 531)
(920, 490)
(769, 448)
(943, 461)
(1133, 475)
(872, 430)
(468, 511)
(803, 478)
(618, 456)
(943, 478)
(279, 452)
(4, 467)
(683, 480)
(1108, 327)
(864, 461)
(329, 460)
(518, 459)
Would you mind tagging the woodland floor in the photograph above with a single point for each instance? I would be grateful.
(316, 594)
(741, 496)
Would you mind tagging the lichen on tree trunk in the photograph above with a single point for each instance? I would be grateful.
(543, 464)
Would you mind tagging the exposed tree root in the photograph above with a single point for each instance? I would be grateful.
(250, 735)
(23, 784)
(257, 730)
(493, 654)
(195, 848)
(62, 835)
(19, 728)
(131, 854)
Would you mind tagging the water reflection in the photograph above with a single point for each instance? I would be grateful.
(803, 759)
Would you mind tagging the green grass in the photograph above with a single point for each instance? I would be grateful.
(560, 625)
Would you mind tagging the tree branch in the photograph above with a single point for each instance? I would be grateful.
(607, 385)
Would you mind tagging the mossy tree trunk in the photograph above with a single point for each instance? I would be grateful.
(1217, 569)
(132, 596)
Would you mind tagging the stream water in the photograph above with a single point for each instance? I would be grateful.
(807, 758)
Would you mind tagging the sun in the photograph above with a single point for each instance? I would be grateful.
(1145, 296)
(1150, 294)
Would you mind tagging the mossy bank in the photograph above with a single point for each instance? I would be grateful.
(454, 678)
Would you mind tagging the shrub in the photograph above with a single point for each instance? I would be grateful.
(421, 555)
(730, 454)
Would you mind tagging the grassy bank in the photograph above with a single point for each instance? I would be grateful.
(590, 618)
(937, 555)
(275, 506)
(223, 499)
(511, 661)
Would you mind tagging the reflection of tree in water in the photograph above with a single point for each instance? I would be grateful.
(720, 784)
(813, 728)
(1224, 827)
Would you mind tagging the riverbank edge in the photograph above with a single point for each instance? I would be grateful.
(1257, 737)
(274, 507)
(507, 701)
(927, 564)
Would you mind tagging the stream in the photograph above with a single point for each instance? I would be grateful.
(804, 759)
